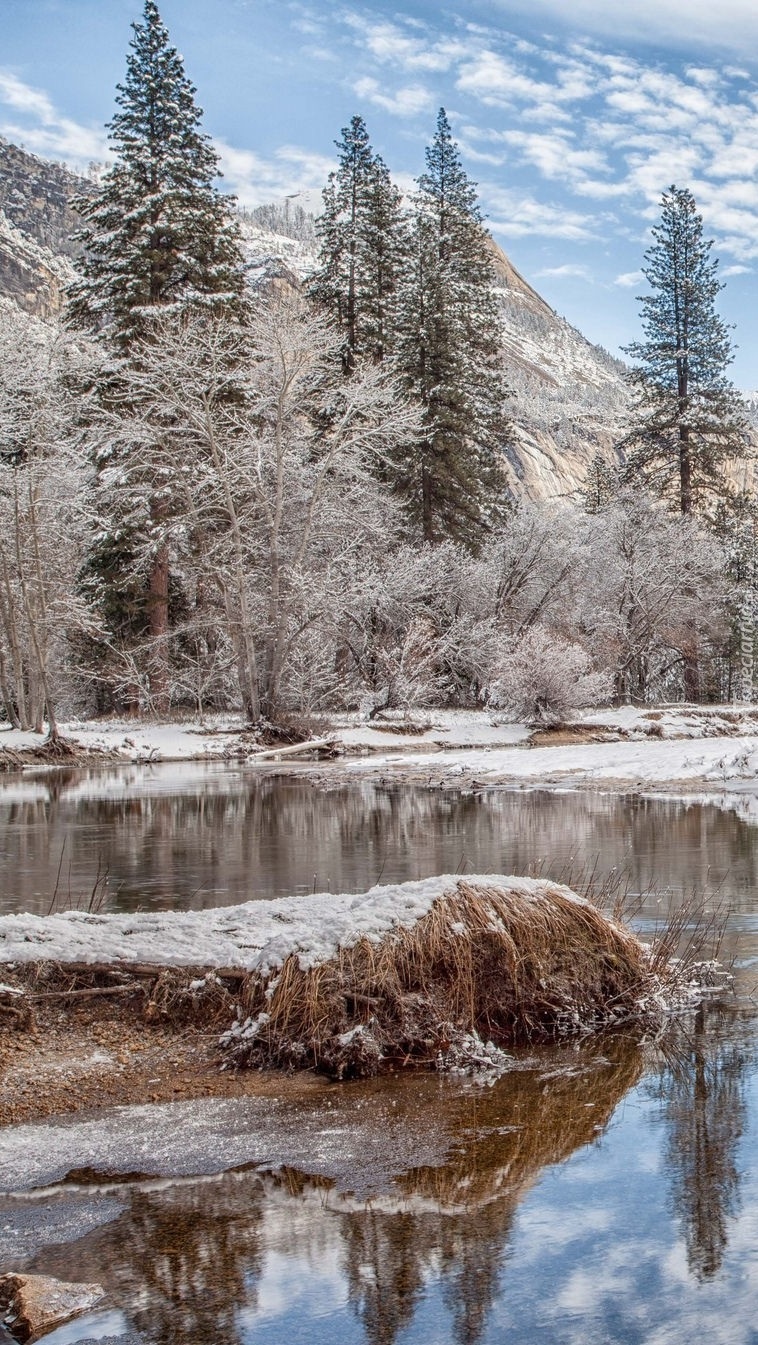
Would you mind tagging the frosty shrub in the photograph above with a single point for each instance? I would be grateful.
(544, 678)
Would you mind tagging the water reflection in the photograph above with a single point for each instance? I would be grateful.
(189, 1261)
(702, 1089)
(202, 835)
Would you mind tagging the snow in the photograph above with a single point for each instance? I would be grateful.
(667, 745)
(257, 935)
(630, 763)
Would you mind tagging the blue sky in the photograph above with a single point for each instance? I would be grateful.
(572, 115)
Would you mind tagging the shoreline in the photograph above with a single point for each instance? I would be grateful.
(100, 1053)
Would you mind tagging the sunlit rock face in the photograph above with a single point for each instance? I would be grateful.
(569, 397)
(37, 225)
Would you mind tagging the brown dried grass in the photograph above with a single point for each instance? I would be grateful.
(510, 966)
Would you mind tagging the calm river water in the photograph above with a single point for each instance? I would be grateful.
(604, 1193)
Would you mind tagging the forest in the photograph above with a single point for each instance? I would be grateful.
(289, 499)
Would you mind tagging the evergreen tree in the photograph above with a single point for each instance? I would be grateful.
(158, 239)
(449, 356)
(361, 235)
(601, 485)
(157, 232)
(688, 418)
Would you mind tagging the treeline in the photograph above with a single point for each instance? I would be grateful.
(292, 501)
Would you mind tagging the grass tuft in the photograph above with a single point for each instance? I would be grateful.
(502, 965)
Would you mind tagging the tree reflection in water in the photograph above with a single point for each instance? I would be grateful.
(702, 1087)
(194, 836)
(184, 1260)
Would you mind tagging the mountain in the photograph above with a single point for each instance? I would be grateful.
(569, 396)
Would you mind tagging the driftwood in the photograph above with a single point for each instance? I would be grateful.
(88, 993)
(294, 749)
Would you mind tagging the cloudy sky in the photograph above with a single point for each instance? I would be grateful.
(572, 115)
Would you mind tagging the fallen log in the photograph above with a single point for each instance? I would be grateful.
(294, 749)
(87, 993)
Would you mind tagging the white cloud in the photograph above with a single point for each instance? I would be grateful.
(517, 216)
(43, 130)
(569, 271)
(731, 24)
(396, 46)
(629, 279)
(736, 270)
(255, 180)
(405, 102)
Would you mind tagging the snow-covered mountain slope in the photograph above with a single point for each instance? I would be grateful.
(569, 396)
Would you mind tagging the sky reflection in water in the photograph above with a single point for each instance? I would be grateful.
(595, 1194)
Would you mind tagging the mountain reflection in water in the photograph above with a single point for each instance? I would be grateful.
(439, 1254)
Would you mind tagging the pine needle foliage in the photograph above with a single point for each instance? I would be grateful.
(688, 417)
(449, 357)
(157, 232)
(361, 235)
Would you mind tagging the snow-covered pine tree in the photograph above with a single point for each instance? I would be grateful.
(449, 357)
(687, 415)
(157, 231)
(157, 236)
(361, 234)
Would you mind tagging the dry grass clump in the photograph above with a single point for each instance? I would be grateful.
(524, 964)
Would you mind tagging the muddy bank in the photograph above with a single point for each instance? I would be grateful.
(88, 1055)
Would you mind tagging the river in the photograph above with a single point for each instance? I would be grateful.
(598, 1192)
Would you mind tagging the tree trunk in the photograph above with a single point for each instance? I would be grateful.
(158, 618)
(685, 470)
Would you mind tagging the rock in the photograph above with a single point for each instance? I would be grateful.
(38, 1303)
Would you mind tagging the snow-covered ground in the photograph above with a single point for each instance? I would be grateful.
(638, 747)
(631, 764)
(258, 934)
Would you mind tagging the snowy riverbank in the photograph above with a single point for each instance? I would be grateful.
(668, 747)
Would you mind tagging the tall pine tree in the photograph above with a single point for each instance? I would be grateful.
(157, 232)
(158, 237)
(687, 415)
(449, 357)
(361, 233)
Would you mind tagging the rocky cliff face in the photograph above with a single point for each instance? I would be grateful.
(36, 227)
(569, 396)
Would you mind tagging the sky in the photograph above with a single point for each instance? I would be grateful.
(573, 116)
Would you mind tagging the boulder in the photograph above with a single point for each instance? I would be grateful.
(35, 1304)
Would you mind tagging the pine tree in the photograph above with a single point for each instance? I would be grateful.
(361, 234)
(158, 239)
(157, 232)
(688, 418)
(449, 357)
(601, 485)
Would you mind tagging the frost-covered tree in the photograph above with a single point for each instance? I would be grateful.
(543, 680)
(273, 487)
(156, 232)
(43, 527)
(361, 234)
(449, 356)
(687, 417)
(652, 590)
(158, 238)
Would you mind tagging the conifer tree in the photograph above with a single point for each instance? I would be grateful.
(158, 237)
(449, 356)
(157, 232)
(688, 418)
(361, 235)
